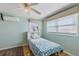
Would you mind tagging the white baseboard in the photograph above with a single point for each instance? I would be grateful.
(11, 47)
(68, 53)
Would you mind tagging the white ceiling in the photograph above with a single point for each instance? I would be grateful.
(15, 9)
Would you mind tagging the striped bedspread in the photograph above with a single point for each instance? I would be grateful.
(43, 47)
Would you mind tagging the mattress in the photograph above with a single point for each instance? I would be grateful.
(43, 47)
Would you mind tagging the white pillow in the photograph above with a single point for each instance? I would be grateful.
(35, 36)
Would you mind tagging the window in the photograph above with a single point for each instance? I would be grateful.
(51, 26)
(65, 25)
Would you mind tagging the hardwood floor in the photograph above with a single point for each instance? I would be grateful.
(21, 51)
(18, 51)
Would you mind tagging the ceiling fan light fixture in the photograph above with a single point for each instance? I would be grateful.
(28, 7)
(26, 10)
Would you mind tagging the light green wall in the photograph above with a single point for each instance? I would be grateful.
(71, 44)
(13, 33)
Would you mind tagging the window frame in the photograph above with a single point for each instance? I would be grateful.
(63, 33)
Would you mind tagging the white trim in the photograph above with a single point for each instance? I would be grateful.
(11, 47)
(68, 53)
(57, 33)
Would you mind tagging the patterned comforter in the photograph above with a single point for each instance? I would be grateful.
(43, 47)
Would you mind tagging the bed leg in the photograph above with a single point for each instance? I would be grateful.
(53, 54)
(57, 54)
(61, 51)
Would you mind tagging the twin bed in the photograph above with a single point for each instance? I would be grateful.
(43, 47)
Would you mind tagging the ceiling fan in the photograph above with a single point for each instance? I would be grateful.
(28, 6)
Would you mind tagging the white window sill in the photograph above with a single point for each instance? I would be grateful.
(66, 34)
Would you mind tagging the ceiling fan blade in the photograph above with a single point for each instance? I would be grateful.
(36, 11)
(32, 4)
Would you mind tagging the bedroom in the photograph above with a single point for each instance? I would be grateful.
(21, 25)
